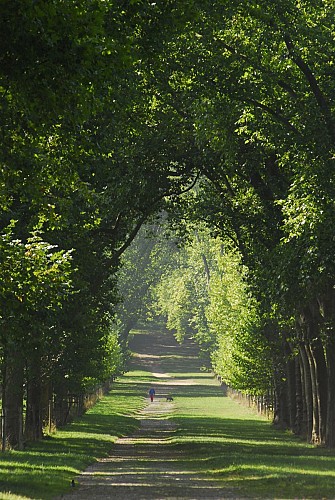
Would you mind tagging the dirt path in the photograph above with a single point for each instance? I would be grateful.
(143, 465)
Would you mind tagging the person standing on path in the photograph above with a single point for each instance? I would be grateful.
(152, 393)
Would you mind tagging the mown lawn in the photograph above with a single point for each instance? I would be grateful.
(230, 442)
(233, 444)
(45, 469)
(215, 435)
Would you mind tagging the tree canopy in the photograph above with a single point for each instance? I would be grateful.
(218, 114)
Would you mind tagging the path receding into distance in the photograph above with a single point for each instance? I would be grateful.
(143, 465)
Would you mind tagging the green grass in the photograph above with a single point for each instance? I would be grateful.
(217, 436)
(234, 445)
(45, 469)
(229, 442)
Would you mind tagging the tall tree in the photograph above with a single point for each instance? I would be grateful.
(255, 80)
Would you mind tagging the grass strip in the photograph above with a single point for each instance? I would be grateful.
(45, 469)
(216, 436)
(231, 443)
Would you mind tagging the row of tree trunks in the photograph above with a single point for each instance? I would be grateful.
(310, 375)
(43, 408)
(15, 373)
(330, 426)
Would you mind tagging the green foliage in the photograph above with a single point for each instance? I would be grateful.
(74, 165)
(182, 293)
(204, 295)
(36, 280)
(243, 355)
(141, 267)
(174, 294)
(110, 111)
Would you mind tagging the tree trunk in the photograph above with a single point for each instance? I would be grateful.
(60, 403)
(327, 312)
(307, 389)
(330, 427)
(33, 427)
(318, 354)
(300, 422)
(281, 411)
(46, 403)
(12, 397)
(315, 437)
(291, 386)
(310, 322)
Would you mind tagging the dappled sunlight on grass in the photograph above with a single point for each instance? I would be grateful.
(46, 468)
(205, 440)
(228, 441)
(10, 496)
(231, 442)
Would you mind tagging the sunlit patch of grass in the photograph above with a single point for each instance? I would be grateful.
(10, 496)
(215, 436)
(138, 375)
(229, 441)
(45, 469)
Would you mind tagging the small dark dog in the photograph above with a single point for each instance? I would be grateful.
(169, 398)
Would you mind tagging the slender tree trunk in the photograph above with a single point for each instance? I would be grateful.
(12, 397)
(315, 437)
(307, 385)
(46, 402)
(330, 427)
(327, 312)
(318, 354)
(33, 427)
(281, 411)
(300, 421)
(291, 386)
(60, 404)
(310, 323)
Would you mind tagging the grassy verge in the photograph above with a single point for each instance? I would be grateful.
(45, 469)
(215, 435)
(232, 444)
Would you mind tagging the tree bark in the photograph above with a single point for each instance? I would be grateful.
(291, 386)
(314, 363)
(327, 312)
(12, 397)
(60, 403)
(315, 437)
(300, 408)
(330, 426)
(33, 427)
(307, 389)
(319, 361)
(281, 411)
